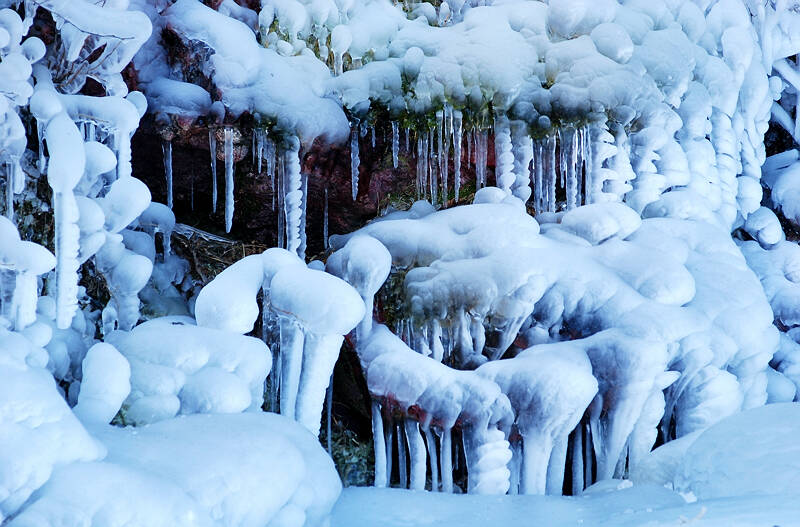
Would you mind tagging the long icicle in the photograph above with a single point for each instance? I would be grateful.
(354, 160)
(166, 148)
(395, 144)
(431, 441)
(446, 460)
(212, 148)
(228, 179)
(457, 134)
(379, 443)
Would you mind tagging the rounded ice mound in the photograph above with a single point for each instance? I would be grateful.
(754, 452)
(321, 302)
(179, 367)
(571, 18)
(600, 221)
(230, 301)
(105, 384)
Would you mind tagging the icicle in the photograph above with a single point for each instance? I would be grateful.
(281, 191)
(42, 165)
(389, 440)
(569, 152)
(372, 134)
(431, 440)
(228, 179)
(395, 144)
(433, 166)
(329, 414)
(9, 213)
(212, 148)
(301, 251)
(481, 153)
(259, 148)
(166, 148)
(379, 443)
(576, 445)
(66, 244)
(551, 173)
(446, 459)
(447, 133)
(417, 455)
(457, 133)
(588, 166)
(536, 177)
(408, 139)
(293, 200)
(354, 160)
(325, 220)
(91, 131)
(270, 148)
(402, 463)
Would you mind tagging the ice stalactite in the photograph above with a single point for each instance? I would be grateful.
(372, 136)
(503, 153)
(325, 220)
(522, 147)
(311, 333)
(481, 157)
(9, 190)
(550, 172)
(67, 163)
(212, 148)
(166, 148)
(433, 163)
(280, 194)
(229, 170)
(355, 161)
(457, 137)
(568, 164)
(444, 154)
(537, 177)
(395, 144)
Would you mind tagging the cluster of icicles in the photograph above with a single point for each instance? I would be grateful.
(559, 162)
(281, 163)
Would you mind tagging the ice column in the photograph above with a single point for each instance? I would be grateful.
(293, 201)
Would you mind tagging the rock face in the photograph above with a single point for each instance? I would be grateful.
(256, 219)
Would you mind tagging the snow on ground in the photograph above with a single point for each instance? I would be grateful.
(745, 470)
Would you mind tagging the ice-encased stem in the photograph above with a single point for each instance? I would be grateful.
(355, 161)
(67, 242)
(503, 154)
(228, 179)
(166, 148)
(522, 147)
(212, 148)
(395, 144)
(293, 201)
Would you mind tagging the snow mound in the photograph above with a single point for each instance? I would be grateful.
(754, 452)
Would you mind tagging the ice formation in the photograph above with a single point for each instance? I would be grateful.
(527, 351)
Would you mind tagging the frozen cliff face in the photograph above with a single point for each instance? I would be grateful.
(672, 327)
